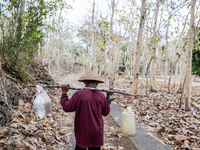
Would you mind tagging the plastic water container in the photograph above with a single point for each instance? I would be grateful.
(128, 122)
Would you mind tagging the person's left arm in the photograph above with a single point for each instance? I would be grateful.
(106, 107)
(107, 102)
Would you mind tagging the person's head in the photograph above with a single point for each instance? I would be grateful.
(91, 79)
(91, 83)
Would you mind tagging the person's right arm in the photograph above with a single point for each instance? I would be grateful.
(68, 105)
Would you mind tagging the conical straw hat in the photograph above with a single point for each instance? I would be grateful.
(91, 75)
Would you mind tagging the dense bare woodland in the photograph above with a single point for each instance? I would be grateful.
(150, 48)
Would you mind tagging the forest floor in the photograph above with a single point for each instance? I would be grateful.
(54, 132)
(158, 113)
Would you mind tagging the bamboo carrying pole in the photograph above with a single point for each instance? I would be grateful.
(94, 89)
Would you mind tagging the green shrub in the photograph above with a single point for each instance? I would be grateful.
(21, 32)
(123, 76)
(151, 89)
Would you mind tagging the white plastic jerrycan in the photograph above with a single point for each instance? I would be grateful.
(128, 122)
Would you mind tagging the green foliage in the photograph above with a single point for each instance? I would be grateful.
(24, 75)
(122, 67)
(151, 89)
(195, 53)
(196, 56)
(102, 73)
(123, 76)
(21, 31)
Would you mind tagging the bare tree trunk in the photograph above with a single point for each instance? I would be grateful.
(154, 46)
(172, 72)
(20, 20)
(143, 71)
(182, 93)
(144, 55)
(2, 30)
(60, 42)
(147, 71)
(182, 76)
(176, 72)
(138, 48)
(111, 74)
(93, 59)
(145, 52)
(189, 58)
(118, 56)
(166, 50)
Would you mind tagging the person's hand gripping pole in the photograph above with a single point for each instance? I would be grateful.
(65, 88)
(109, 95)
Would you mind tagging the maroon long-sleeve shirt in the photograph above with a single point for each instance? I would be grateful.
(89, 107)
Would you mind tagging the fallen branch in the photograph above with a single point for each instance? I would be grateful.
(93, 89)
(21, 115)
(9, 77)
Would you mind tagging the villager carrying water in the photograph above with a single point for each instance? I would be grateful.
(89, 106)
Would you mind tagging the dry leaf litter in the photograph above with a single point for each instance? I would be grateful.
(27, 132)
(160, 115)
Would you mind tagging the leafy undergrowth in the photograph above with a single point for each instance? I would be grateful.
(159, 113)
(25, 131)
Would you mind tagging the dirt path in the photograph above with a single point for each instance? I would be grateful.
(155, 112)
(113, 137)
